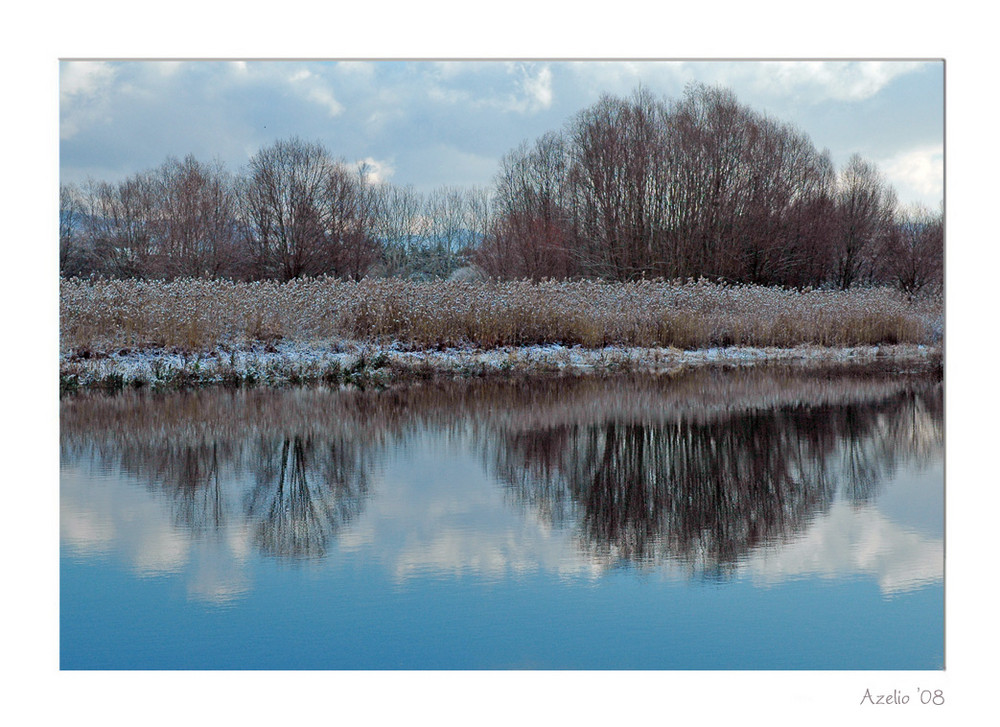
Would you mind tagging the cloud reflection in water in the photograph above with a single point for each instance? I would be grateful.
(770, 475)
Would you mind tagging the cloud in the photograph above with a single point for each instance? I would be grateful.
(118, 515)
(664, 78)
(805, 81)
(449, 122)
(536, 90)
(447, 95)
(106, 514)
(376, 170)
(87, 78)
(84, 89)
(169, 68)
(540, 87)
(423, 528)
(316, 90)
(510, 87)
(917, 172)
(324, 97)
(532, 90)
(449, 69)
(826, 80)
(849, 541)
(361, 69)
(419, 523)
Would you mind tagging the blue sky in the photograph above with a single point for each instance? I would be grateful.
(429, 123)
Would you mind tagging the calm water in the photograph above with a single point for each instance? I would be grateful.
(712, 520)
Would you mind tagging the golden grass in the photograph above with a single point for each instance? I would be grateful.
(197, 315)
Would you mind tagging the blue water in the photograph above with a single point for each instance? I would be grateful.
(356, 619)
(440, 561)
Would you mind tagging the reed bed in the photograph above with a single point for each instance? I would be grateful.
(199, 315)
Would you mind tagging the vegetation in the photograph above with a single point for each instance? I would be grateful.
(197, 315)
(644, 224)
(630, 188)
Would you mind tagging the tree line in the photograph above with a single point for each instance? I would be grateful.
(629, 188)
(294, 211)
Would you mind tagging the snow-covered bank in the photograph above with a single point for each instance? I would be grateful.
(290, 362)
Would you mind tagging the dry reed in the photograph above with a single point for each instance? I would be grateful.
(200, 315)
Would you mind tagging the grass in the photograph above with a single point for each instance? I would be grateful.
(192, 316)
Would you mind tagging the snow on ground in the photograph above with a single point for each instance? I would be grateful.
(297, 362)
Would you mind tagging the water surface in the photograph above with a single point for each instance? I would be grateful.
(716, 519)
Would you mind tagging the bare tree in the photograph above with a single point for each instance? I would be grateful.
(712, 180)
(618, 152)
(281, 206)
(480, 213)
(120, 225)
(446, 212)
(632, 187)
(866, 205)
(529, 236)
(195, 219)
(349, 211)
(304, 213)
(915, 254)
(400, 226)
(74, 253)
(810, 224)
(706, 186)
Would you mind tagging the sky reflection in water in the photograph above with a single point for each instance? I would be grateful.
(494, 508)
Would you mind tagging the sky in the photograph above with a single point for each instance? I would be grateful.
(432, 123)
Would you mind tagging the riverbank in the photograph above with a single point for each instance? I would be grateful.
(339, 362)
(166, 335)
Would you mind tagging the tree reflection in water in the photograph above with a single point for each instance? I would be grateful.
(708, 491)
(304, 494)
(199, 496)
(201, 450)
(700, 467)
